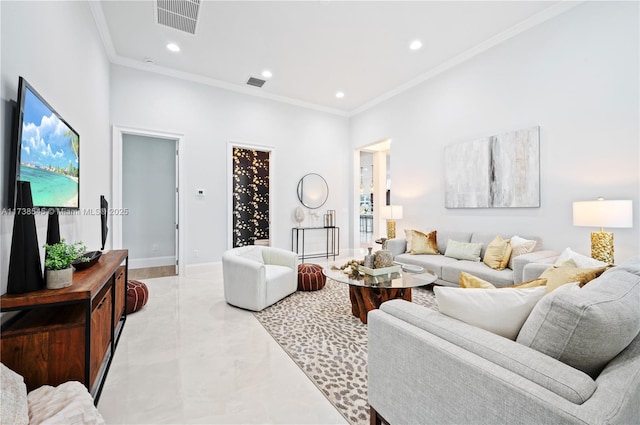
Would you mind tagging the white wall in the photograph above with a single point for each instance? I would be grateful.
(576, 76)
(56, 47)
(304, 141)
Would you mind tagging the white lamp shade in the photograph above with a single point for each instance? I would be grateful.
(392, 212)
(603, 213)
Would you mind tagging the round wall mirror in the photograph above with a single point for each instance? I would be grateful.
(313, 191)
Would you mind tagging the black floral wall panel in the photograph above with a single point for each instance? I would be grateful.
(250, 196)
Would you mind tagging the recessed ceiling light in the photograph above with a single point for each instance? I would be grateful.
(173, 47)
(149, 61)
(267, 74)
(415, 45)
(339, 95)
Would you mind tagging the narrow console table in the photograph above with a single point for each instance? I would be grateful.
(68, 334)
(332, 245)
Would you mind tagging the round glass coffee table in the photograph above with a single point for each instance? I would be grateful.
(367, 292)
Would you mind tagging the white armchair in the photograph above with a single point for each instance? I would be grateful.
(257, 276)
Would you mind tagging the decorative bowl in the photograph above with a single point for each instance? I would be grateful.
(93, 257)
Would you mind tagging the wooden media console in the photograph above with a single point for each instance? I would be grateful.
(68, 334)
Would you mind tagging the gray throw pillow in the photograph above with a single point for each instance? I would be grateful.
(463, 250)
(587, 327)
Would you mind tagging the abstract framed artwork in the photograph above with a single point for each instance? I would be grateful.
(501, 171)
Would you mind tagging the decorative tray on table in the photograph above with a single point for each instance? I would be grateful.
(377, 272)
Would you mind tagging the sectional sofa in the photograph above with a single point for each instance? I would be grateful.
(576, 360)
(448, 269)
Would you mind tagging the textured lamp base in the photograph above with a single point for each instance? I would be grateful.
(391, 229)
(602, 246)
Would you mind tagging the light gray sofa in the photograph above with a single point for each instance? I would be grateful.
(448, 269)
(576, 360)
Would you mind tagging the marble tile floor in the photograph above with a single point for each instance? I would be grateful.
(189, 358)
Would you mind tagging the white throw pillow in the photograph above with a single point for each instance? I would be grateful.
(581, 261)
(501, 311)
(520, 246)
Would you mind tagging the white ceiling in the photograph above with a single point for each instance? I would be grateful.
(316, 48)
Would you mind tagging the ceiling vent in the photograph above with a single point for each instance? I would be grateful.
(255, 82)
(178, 14)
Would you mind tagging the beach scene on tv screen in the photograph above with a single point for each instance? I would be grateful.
(48, 156)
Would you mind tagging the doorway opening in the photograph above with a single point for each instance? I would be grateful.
(146, 182)
(250, 188)
(373, 163)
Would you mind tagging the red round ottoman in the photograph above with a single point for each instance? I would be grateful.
(137, 295)
(310, 277)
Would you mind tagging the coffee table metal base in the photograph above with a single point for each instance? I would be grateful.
(365, 299)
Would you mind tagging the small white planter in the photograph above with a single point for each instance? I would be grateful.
(57, 279)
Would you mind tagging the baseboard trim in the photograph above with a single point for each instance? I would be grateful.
(143, 263)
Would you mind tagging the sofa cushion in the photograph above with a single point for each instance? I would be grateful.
(13, 398)
(520, 246)
(497, 253)
(501, 311)
(423, 243)
(435, 263)
(567, 271)
(588, 327)
(451, 272)
(463, 250)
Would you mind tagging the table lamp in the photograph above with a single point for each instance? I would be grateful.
(391, 213)
(603, 213)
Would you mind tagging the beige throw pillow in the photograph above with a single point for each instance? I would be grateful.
(424, 243)
(520, 246)
(498, 253)
(565, 272)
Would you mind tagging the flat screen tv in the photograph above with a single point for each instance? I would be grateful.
(48, 152)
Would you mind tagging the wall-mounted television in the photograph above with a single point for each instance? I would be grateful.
(47, 152)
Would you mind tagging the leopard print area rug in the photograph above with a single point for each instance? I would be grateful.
(329, 344)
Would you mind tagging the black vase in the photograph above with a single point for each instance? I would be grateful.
(25, 269)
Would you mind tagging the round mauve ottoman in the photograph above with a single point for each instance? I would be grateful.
(310, 277)
(137, 295)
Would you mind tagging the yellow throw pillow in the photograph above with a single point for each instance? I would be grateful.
(498, 253)
(470, 281)
(567, 271)
(531, 284)
(423, 243)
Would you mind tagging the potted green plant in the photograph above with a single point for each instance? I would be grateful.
(57, 263)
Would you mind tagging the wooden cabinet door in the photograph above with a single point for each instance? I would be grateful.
(121, 293)
(100, 331)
